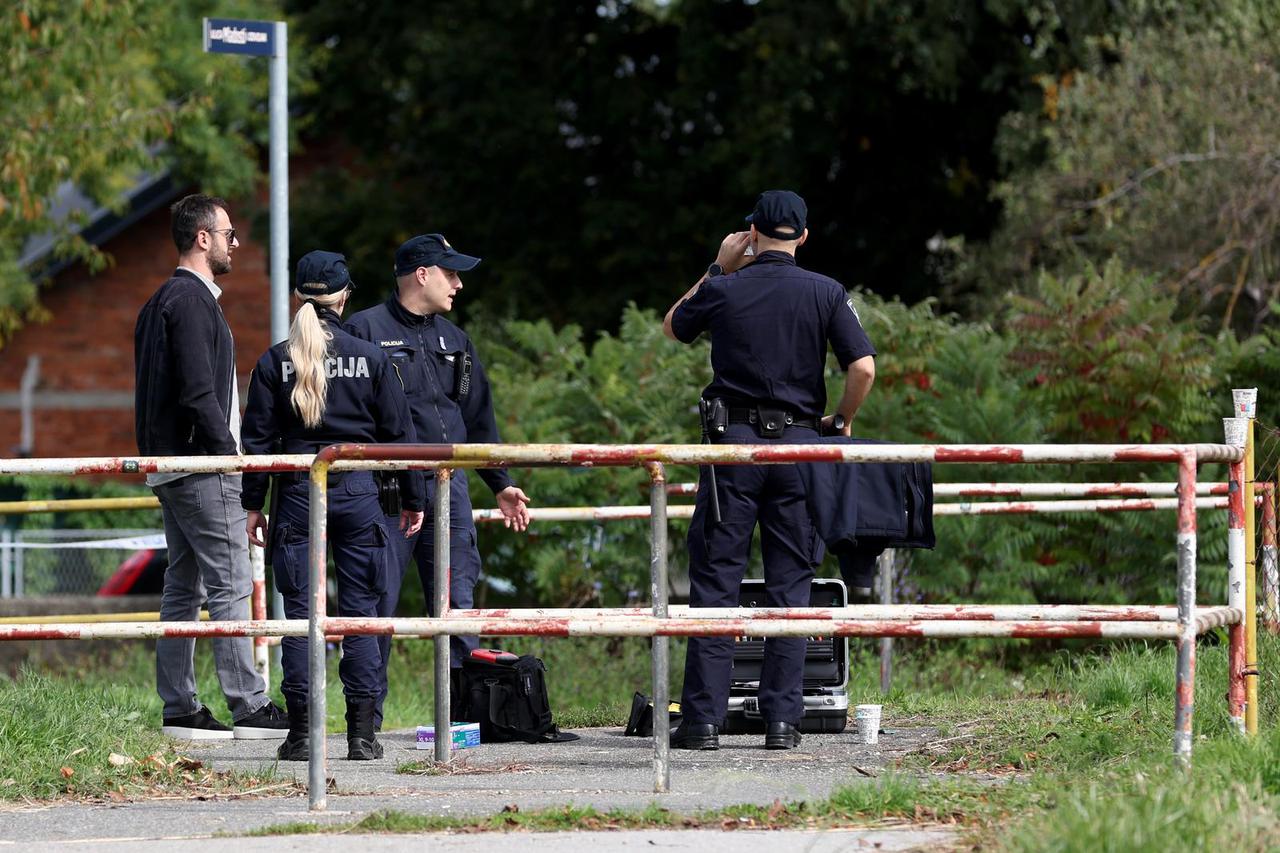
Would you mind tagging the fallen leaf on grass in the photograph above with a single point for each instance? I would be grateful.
(115, 759)
(67, 772)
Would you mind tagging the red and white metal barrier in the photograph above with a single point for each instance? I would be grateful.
(1181, 624)
(1039, 490)
(1235, 429)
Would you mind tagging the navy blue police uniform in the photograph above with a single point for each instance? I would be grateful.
(769, 323)
(451, 402)
(363, 403)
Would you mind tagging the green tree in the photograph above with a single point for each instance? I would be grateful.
(97, 94)
(1161, 153)
(596, 153)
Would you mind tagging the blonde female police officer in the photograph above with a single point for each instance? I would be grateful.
(320, 387)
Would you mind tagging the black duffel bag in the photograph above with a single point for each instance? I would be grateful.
(507, 695)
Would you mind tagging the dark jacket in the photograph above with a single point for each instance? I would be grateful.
(363, 403)
(859, 509)
(183, 361)
(430, 355)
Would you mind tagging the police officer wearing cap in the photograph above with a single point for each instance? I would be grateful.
(320, 387)
(770, 322)
(451, 402)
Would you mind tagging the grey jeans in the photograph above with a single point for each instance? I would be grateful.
(204, 526)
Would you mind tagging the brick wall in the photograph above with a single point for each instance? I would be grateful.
(87, 345)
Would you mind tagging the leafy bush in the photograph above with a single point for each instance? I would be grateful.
(1094, 357)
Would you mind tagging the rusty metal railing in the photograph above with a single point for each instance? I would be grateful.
(1181, 624)
(801, 622)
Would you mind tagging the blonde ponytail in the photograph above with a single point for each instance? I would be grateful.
(308, 350)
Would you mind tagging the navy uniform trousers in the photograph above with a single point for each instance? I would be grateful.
(773, 496)
(360, 543)
(464, 569)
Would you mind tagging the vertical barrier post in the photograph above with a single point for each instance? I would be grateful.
(6, 564)
(1246, 405)
(1184, 701)
(318, 548)
(1235, 430)
(277, 607)
(661, 645)
(258, 602)
(19, 566)
(444, 737)
(1270, 568)
(886, 560)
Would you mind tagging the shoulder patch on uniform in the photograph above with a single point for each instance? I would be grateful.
(853, 308)
(390, 343)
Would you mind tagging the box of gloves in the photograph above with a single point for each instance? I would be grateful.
(463, 735)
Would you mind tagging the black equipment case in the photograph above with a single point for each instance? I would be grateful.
(826, 668)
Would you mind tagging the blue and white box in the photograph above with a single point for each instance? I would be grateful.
(463, 735)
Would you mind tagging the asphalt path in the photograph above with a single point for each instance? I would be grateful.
(604, 770)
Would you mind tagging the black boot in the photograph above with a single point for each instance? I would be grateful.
(362, 745)
(297, 744)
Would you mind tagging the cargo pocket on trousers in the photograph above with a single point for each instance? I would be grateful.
(376, 544)
(287, 561)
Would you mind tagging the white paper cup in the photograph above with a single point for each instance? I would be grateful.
(867, 718)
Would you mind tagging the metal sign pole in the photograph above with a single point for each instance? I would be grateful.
(267, 38)
(278, 104)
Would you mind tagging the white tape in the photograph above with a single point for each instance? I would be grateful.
(128, 543)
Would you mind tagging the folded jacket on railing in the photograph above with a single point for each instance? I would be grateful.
(861, 509)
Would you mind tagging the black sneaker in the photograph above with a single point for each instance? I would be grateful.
(201, 725)
(266, 723)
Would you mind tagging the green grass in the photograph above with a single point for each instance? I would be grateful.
(1066, 749)
(65, 738)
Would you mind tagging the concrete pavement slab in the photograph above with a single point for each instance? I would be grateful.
(604, 770)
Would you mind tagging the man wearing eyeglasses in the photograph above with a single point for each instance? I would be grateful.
(186, 403)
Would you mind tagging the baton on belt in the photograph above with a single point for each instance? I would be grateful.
(704, 416)
(272, 506)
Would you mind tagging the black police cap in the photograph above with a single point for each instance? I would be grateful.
(780, 214)
(431, 250)
(321, 273)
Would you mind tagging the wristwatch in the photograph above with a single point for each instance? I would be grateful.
(714, 270)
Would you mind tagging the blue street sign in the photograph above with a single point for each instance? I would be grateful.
(223, 35)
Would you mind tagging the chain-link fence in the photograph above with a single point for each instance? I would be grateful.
(67, 562)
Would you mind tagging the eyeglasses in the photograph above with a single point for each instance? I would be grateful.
(230, 232)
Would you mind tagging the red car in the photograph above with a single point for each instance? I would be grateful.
(142, 573)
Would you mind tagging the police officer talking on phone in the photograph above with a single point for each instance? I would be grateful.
(320, 387)
(770, 322)
(451, 402)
